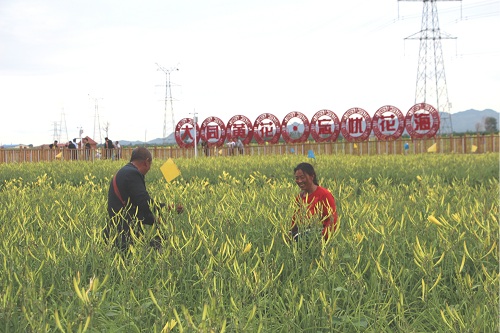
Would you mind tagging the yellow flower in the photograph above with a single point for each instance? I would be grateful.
(359, 237)
(247, 248)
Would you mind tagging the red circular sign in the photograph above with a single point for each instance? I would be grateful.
(422, 125)
(321, 127)
(383, 123)
(349, 125)
(186, 140)
(215, 133)
(240, 127)
(295, 128)
(264, 129)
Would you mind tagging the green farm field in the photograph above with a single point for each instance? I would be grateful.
(416, 249)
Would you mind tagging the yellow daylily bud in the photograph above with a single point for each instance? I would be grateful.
(434, 220)
(247, 248)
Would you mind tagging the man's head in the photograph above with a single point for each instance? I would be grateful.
(142, 159)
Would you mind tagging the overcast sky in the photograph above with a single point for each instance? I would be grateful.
(61, 59)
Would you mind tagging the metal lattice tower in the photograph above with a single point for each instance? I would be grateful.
(63, 127)
(431, 85)
(168, 99)
(55, 133)
(97, 121)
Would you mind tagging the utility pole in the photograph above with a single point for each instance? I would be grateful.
(431, 85)
(168, 98)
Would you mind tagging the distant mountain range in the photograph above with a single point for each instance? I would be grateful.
(462, 122)
(170, 140)
(466, 121)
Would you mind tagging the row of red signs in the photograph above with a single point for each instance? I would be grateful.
(388, 123)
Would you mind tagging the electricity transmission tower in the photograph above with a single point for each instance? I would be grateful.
(55, 133)
(168, 99)
(63, 127)
(97, 121)
(431, 79)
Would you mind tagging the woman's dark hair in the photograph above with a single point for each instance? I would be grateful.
(308, 169)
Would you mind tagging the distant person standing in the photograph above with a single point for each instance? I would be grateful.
(406, 147)
(72, 150)
(239, 145)
(86, 147)
(204, 145)
(108, 148)
(53, 145)
(118, 148)
(231, 144)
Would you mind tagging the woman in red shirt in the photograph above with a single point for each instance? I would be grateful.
(316, 205)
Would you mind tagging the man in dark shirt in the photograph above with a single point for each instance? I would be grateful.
(108, 148)
(72, 147)
(86, 145)
(128, 200)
